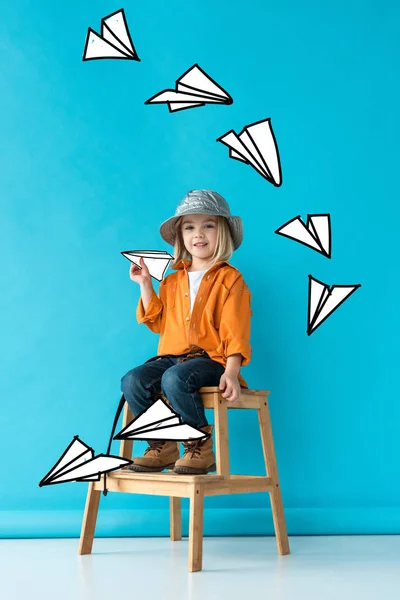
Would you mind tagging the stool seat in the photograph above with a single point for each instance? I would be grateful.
(243, 391)
(247, 399)
(196, 487)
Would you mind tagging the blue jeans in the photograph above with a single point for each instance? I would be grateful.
(178, 382)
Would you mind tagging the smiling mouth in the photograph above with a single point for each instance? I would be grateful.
(201, 245)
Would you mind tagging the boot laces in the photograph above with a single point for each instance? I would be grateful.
(155, 445)
(192, 448)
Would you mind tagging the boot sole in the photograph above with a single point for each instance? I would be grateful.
(194, 470)
(143, 469)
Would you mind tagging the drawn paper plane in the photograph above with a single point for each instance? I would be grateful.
(256, 146)
(315, 234)
(193, 88)
(156, 261)
(78, 463)
(159, 422)
(114, 42)
(323, 301)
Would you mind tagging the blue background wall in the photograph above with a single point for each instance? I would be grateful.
(88, 170)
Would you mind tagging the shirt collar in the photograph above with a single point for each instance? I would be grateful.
(185, 263)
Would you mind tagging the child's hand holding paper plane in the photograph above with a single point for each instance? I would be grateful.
(155, 262)
(139, 274)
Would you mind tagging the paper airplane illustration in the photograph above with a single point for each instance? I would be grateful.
(156, 261)
(315, 234)
(256, 145)
(114, 42)
(159, 422)
(323, 301)
(78, 463)
(193, 88)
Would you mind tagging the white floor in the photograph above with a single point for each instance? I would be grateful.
(320, 568)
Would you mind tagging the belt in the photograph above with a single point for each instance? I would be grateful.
(198, 352)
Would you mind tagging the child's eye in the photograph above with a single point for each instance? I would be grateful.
(209, 225)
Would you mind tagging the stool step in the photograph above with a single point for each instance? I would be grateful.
(181, 486)
(163, 476)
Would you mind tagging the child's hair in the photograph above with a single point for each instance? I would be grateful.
(223, 247)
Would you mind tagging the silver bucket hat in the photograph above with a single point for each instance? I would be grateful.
(205, 202)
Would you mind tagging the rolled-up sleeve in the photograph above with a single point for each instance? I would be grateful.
(153, 315)
(234, 329)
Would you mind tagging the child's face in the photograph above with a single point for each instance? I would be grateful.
(199, 228)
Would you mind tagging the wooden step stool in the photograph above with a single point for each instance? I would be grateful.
(195, 487)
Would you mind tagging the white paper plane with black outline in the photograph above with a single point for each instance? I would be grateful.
(256, 146)
(114, 42)
(156, 261)
(324, 300)
(159, 422)
(193, 88)
(316, 234)
(78, 463)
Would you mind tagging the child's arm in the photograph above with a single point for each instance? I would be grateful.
(150, 307)
(233, 363)
(146, 292)
(229, 381)
(234, 333)
(234, 327)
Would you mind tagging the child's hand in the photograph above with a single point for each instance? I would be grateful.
(232, 385)
(139, 275)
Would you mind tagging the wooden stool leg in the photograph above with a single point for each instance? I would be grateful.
(175, 519)
(221, 436)
(272, 471)
(89, 520)
(196, 528)
(126, 446)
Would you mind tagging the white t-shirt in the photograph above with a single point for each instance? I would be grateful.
(195, 278)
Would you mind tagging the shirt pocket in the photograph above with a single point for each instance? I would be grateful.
(171, 295)
(215, 303)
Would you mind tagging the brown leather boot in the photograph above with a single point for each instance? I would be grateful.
(198, 457)
(158, 456)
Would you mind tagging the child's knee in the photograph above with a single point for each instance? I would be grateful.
(129, 381)
(169, 380)
(172, 384)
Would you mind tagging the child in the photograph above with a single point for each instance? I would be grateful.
(203, 316)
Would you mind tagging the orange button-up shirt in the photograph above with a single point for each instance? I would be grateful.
(220, 319)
